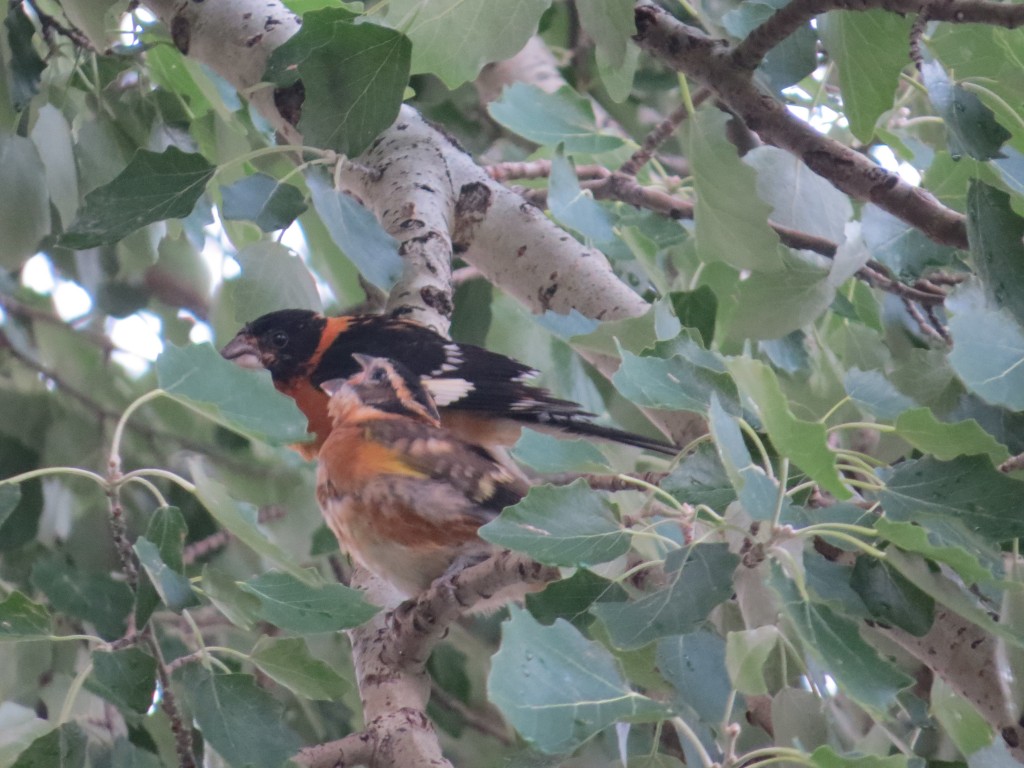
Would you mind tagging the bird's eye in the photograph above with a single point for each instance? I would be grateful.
(279, 339)
(379, 375)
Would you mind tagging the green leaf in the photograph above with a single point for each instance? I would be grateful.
(242, 400)
(126, 677)
(174, 589)
(155, 186)
(566, 525)
(917, 538)
(988, 349)
(700, 478)
(731, 220)
(870, 51)
(876, 394)
(971, 127)
(903, 248)
(92, 597)
(550, 119)
(570, 598)
(965, 726)
(951, 594)
(166, 530)
(574, 208)
(799, 198)
(994, 232)
(770, 305)
(289, 662)
(610, 24)
(263, 200)
(63, 747)
(240, 608)
(968, 489)
(547, 453)
(358, 234)
(22, 619)
(826, 757)
(354, 76)
(240, 520)
(10, 497)
(695, 665)
(52, 137)
(682, 382)
(26, 66)
(557, 688)
(272, 278)
(701, 578)
(746, 654)
(945, 441)
(697, 309)
(240, 720)
(788, 62)
(891, 598)
(836, 643)
(24, 201)
(299, 607)
(804, 442)
(487, 31)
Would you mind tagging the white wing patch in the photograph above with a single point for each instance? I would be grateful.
(448, 391)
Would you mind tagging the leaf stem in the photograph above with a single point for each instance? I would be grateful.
(781, 496)
(683, 728)
(72, 694)
(165, 474)
(862, 425)
(756, 440)
(24, 476)
(115, 444)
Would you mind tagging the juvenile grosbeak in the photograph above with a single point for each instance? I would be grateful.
(483, 396)
(404, 495)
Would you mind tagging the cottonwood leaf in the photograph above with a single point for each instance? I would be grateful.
(565, 525)
(968, 489)
(126, 677)
(995, 234)
(701, 578)
(557, 688)
(836, 642)
(304, 608)
(563, 117)
(988, 349)
(263, 200)
(288, 661)
(22, 619)
(945, 440)
(155, 186)
(487, 31)
(242, 400)
(353, 76)
(239, 719)
(804, 442)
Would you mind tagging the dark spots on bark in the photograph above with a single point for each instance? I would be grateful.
(288, 101)
(426, 188)
(437, 300)
(254, 40)
(474, 198)
(245, 16)
(1011, 737)
(545, 295)
(411, 224)
(181, 33)
(270, 23)
(520, 251)
(402, 127)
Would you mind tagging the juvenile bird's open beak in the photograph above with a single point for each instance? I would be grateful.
(242, 350)
(333, 386)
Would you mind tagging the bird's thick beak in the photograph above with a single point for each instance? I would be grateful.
(334, 386)
(242, 350)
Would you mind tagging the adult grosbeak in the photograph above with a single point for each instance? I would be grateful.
(403, 495)
(483, 396)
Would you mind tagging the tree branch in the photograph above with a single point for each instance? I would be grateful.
(787, 20)
(710, 63)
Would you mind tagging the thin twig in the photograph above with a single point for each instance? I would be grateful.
(72, 33)
(659, 135)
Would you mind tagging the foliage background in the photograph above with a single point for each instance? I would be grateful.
(830, 577)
